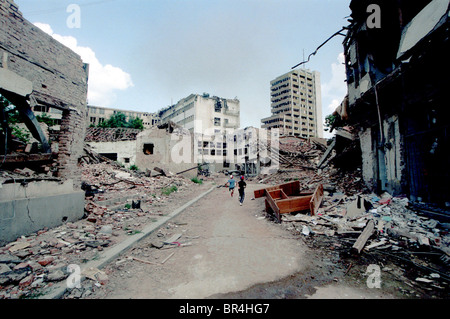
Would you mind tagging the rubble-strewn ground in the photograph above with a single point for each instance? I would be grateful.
(408, 250)
(120, 204)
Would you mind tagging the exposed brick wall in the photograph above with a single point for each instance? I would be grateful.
(58, 75)
(10, 8)
(71, 144)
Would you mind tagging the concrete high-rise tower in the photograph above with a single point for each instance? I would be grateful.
(296, 104)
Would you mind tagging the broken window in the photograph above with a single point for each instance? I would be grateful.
(218, 106)
(19, 126)
(111, 156)
(41, 108)
(148, 149)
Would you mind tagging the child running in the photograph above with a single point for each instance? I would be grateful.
(242, 185)
(231, 184)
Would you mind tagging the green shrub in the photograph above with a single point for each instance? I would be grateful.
(168, 190)
(196, 180)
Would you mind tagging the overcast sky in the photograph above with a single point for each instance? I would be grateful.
(147, 54)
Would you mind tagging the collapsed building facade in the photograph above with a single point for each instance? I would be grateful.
(174, 149)
(397, 96)
(36, 70)
(167, 148)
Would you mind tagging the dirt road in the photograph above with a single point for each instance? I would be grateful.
(231, 249)
(226, 248)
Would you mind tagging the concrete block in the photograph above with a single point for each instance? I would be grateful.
(22, 217)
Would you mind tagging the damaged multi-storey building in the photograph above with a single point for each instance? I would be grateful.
(396, 57)
(36, 70)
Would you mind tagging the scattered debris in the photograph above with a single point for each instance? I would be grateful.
(167, 258)
(362, 239)
(143, 261)
(118, 203)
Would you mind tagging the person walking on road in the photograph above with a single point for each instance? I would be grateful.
(242, 185)
(231, 184)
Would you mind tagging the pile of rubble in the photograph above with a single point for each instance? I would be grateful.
(333, 180)
(297, 159)
(384, 225)
(359, 222)
(298, 153)
(118, 203)
(100, 134)
(312, 162)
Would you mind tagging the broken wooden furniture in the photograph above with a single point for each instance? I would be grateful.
(287, 198)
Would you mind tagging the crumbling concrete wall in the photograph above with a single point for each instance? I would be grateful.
(368, 157)
(32, 60)
(123, 149)
(383, 164)
(170, 151)
(393, 154)
(25, 209)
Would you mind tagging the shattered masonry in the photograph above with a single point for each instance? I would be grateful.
(36, 70)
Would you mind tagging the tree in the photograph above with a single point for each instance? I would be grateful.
(136, 123)
(45, 118)
(116, 120)
(329, 121)
(120, 120)
(333, 121)
(9, 117)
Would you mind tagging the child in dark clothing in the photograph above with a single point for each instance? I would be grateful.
(242, 185)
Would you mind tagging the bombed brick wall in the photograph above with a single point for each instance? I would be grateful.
(57, 75)
(71, 144)
(10, 8)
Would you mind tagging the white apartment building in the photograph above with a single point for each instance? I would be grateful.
(203, 113)
(97, 115)
(296, 104)
(209, 119)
